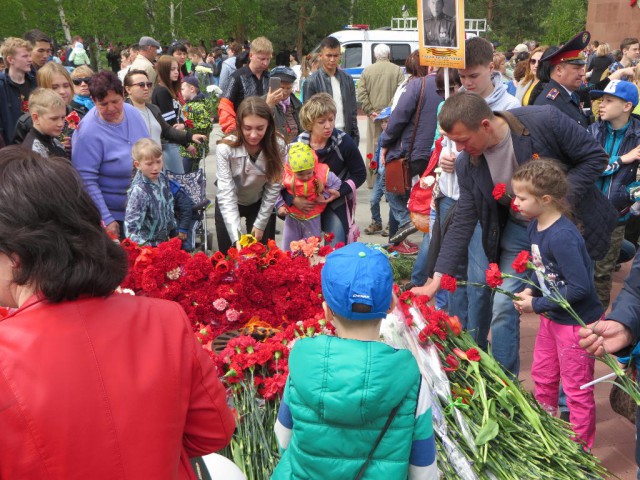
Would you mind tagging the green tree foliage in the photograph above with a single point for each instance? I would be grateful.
(569, 18)
(297, 24)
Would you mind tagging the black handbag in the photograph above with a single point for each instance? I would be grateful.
(375, 445)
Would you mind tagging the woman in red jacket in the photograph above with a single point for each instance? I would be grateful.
(93, 384)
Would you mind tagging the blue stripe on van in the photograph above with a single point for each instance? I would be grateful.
(354, 72)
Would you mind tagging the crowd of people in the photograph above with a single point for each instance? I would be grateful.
(554, 125)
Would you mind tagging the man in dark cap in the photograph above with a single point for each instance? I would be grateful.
(286, 106)
(565, 69)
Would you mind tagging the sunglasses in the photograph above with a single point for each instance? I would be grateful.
(143, 84)
(533, 61)
(78, 81)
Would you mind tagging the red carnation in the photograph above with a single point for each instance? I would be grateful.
(499, 191)
(373, 165)
(328, 237)
(369, 156)
(339, 245)
(494, 275)
(514, 207)
(188, 124)
(449, 283)
(521, 263)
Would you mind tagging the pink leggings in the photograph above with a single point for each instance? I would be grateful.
(557, 356)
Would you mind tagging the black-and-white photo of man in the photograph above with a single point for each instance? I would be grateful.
(439, 28)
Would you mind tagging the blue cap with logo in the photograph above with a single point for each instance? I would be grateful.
(626, 91)
(358, 274)
(384, 114)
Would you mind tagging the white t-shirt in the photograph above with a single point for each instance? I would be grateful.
(337, 97)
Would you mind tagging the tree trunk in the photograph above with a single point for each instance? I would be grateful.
(172, 25)
(489, 11)
(63, 21)
(148, 10)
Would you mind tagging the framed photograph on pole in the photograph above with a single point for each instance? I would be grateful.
(441, 32)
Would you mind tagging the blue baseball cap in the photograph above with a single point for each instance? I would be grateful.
(626, 91)
(357, 274)
(383, 115)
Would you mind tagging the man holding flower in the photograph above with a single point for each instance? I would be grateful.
(493, 145)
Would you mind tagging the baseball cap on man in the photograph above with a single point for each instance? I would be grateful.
(148, 42)
(626, 91)
(360, 276)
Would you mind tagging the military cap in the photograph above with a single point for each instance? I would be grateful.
(570, 52)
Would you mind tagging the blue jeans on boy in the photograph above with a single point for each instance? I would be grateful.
(376, 197)
(398, 206)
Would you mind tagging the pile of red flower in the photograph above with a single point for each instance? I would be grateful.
(226, 292)
(278, 291)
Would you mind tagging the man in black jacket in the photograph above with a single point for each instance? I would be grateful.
(493, 145)
(330, 79)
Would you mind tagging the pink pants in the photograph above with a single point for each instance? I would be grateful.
(557, 356)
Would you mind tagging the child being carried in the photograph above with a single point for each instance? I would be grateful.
(305, 177)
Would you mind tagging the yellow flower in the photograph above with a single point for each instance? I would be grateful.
(247, 240)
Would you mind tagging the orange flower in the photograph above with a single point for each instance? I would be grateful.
(454, 324)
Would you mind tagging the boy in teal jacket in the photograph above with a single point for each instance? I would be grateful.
(341, 390)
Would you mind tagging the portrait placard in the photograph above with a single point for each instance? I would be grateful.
(441, 33)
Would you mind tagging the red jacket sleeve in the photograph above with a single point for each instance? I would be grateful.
(210, 422)
(226, 115)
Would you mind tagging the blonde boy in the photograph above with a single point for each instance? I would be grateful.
(149, 217)
(48, 111)
(16, 83)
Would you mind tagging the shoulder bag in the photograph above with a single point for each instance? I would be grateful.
(375, 445)
(397, 177)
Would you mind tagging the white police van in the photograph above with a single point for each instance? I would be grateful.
(358, 42)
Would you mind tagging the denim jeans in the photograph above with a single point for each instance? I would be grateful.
(471, 304)
(478, 299)
(505, 322)
(376, 196)
(398, 206)
(332, 224)
(172, 158)
(419, 273)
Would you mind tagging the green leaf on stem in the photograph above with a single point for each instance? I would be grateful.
(488, 432)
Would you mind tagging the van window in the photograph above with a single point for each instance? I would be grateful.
(352, 55)
(399, 52)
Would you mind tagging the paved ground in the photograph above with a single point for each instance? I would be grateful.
(615, 436)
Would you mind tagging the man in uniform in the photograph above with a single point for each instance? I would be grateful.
(566, 72)
(439, 29)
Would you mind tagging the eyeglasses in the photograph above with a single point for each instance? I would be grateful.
(78, 81)
(533, 61)
(143, 84)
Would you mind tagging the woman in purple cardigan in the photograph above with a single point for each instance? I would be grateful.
(102, 148)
